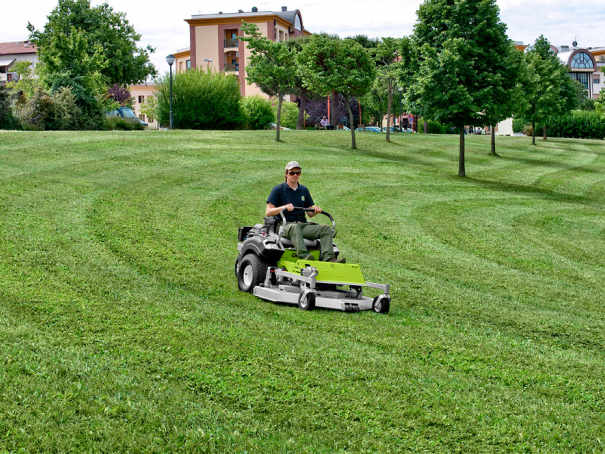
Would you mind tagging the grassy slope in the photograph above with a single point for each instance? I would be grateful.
(122, 329)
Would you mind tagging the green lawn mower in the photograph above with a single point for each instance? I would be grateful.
(268, 267)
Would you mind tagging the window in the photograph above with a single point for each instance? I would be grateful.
(596, 79)
(180, 66)
(2, 69)
(582, 61)
(142, 117)
(141, 99)
(188, 64)
(9, 77)
(581, 77)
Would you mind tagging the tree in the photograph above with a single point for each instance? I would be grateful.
(328, 65)
(388, 55)
(506, 94)
(547, 88)
(150, 108)
(461, 47)
(101, 27)
(68, 62)
(121, 95)
(271, 66)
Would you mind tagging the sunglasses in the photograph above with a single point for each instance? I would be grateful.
(294, 173)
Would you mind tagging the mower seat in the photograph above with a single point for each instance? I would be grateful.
(311, 244)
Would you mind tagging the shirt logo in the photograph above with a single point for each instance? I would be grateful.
(302, 198)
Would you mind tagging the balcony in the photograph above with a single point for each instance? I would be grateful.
(231, 43)
(231, 67)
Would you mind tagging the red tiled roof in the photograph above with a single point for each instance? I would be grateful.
(17, 47)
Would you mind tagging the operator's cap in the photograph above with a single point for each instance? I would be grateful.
(293, 165)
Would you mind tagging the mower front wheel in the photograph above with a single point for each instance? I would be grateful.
(306, 300)
(251, 272)
(381, 304)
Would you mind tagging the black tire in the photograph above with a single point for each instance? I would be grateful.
(236, 266)
(381, 304)
(251, 272)
(306, 300)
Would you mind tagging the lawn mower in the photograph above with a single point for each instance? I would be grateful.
(268, 267)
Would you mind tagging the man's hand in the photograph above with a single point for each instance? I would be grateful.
(316, 211)
(289, 207)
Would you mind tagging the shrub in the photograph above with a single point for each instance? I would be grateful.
(257, 112)
(7, 119)
(123, 124)
(518, 124)
(528, 130)
(68, 116)
(201, 100)
(577, 125)
(289, 114)
(434, 127)
(38, 112)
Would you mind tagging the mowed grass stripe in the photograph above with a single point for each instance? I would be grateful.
(122, 328)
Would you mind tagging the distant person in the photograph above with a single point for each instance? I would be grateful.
(325, 123)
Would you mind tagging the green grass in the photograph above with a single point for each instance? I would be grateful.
(122, 328)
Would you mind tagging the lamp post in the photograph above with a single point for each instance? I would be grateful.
(170, 60)
(400, 89)
(208, 61)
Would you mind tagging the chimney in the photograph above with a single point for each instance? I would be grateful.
(220, 12)
(284, 8)
(240, 10)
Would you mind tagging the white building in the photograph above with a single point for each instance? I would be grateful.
(11, 53)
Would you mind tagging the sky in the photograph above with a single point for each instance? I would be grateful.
(162, 24)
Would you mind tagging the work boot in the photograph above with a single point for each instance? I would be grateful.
(308, 257)
(341, 260)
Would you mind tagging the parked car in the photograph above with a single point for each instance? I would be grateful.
(126, 112)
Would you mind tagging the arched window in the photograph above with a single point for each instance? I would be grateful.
(582, 61)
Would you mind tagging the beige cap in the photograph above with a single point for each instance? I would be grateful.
(293, 165)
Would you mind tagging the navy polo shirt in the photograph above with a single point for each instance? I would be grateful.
(282, 194)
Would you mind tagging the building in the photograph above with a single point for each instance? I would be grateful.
(214, 40)
(14, 52)
(585, 64)
(141, 94)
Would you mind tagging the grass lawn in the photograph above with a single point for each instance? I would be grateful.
(122, 328)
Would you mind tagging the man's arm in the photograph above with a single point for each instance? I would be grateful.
(272, 210)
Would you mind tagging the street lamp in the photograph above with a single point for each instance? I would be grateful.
(208, 61)
(400, 91)
(170, 60)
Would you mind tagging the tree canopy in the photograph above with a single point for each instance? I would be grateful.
(461, 64)
(101, 28)
(329, 65)
(270, 66)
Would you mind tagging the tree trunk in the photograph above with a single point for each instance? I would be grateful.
(493, 140)
(353, 144)
(544, 133)
(461, 170)
(280, 97)
(334, 119)
(426, 127)
(300, 123)
(533, 132)
(390, 105)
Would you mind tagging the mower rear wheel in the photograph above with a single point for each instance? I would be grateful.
(306, 300)
(381, 304)
(251, 272)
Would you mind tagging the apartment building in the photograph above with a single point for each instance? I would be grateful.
(214, 40)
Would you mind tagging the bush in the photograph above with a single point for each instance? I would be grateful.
(577, 125)
(528, 130)
(123, 124)
(257, 112)
(434, 127)
(201, 100)
(289, 114)
(518, 124)
(43, 111)
(7, 119)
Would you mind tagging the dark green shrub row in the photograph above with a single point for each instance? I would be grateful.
(518, 124)
(433, 127)
(257, 112)
(577, 125)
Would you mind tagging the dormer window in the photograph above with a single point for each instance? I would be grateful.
(582, 61)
